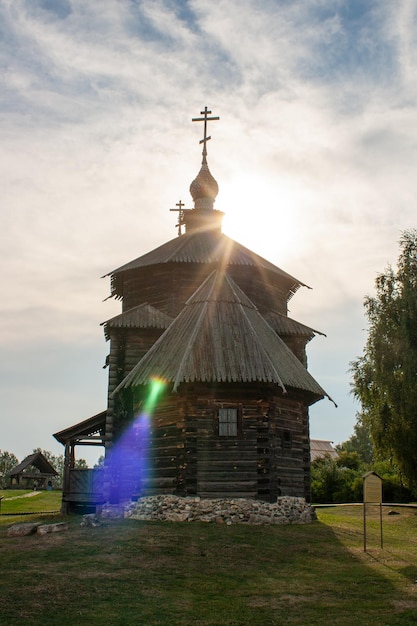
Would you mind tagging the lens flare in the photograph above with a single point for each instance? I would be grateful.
(129, 458)
(156, 388)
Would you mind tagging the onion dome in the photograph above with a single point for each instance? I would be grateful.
(204, 188)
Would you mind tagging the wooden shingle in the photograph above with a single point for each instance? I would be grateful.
(203, 247)
(221, 337)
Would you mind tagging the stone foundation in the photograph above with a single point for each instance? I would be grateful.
(287, 510)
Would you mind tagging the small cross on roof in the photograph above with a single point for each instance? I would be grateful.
(180, 211)
(205, 119)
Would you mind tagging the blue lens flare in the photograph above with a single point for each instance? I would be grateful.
(129, 458)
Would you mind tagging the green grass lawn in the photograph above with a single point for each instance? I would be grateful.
(127, 572)
(15, 501)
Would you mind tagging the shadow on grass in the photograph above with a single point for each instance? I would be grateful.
(129, 572)
(409, 572)
(389, 560)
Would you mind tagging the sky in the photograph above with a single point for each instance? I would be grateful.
(314, 153)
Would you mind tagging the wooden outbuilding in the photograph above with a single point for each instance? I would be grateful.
(34, 472)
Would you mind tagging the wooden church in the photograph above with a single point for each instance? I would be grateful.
(209, 390)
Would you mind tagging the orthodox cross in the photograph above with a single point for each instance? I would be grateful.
(180, 210)
(205, 119)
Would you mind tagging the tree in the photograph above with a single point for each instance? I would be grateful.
(360, 442)
(100, 462)
(385, 376)
(7, 462)
(333, 481)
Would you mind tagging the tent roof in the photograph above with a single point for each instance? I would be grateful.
(220, 336)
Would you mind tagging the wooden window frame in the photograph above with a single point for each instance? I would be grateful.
(236, 423)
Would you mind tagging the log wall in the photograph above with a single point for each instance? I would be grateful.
(168, 287)
(127, 347)
(270, 455)
(186, 456)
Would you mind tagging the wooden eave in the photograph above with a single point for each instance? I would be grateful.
(85, 429)
(209, 247)
(288, 327)
(220, 336)
(142, 316)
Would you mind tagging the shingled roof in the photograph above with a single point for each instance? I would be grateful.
(320, 448)
(93, 425)
(143, 316)
(284, 325)
(38, 460)
(204, 246)
(220, 336)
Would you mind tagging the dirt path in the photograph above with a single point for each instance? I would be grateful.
(25, 495)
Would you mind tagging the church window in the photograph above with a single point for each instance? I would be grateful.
(228, 422)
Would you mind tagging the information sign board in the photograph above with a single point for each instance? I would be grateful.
(372, 488)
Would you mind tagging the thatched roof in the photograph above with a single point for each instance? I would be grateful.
(220, 336)
(205, 246)
(38, 460)
(142, 316)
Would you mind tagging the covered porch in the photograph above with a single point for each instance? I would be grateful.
(82, 488)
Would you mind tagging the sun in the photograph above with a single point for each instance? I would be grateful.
(261, 214)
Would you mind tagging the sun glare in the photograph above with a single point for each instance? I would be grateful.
(260, 214)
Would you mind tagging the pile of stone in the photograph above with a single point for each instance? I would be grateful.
(287, 510)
